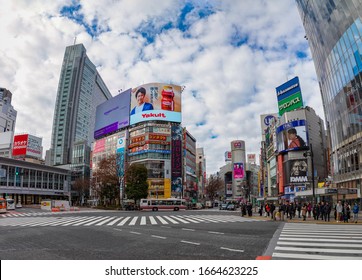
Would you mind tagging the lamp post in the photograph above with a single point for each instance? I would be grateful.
(310, 154)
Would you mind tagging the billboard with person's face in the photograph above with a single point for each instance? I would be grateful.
(112, 114)
(292, 136)
(238, 170)
(156, 101)
(297, 171)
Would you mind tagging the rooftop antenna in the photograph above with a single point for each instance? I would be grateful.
(75, 40)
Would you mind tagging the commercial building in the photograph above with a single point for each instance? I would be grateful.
(7, 122)
(191, 188)
(151, 134)
(201, 171)
(334, 33)
(29, 183)
(80, 90)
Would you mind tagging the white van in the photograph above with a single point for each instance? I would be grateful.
(10, 204)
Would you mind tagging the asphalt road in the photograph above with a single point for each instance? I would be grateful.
(199, 235)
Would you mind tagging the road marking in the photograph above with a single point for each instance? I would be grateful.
(319, 250)
(343, 245)
(117, 229)
(181, 220)
(124, 221)
(320, 239)
(189, 229)
(105, 221)
(188, 242)
(162, 220)
(215, 232)
(313, 257)
(86, 221)
(165, 227)
(133, 222)
(171, 220)
(153, 221)
(160, 237)
(114, 221)
(143, 220)
(135, 232)
(232, 250)
(96, 221)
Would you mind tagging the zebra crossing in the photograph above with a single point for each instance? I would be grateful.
(116, 221)
(319, 242)
(36, 214)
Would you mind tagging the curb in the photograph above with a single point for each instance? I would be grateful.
(263, 258)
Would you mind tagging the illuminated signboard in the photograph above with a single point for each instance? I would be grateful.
(112, 114)
(238, 170)
(289, 96)
(292, 136)
(155, 101)
(27, 145)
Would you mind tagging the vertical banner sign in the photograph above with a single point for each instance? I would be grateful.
(176, 159)
(120, 155)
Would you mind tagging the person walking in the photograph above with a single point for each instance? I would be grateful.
(304, 211)
(299, 209)
(282, 210)
(346, 212)
(309, 209)
(327, 212)
(355, 212)
(291, 210)
(339, 210)
(272, 209)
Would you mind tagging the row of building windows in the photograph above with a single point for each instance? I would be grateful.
(29, 178)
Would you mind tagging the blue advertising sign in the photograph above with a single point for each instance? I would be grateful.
(112, 114)
(287, 89)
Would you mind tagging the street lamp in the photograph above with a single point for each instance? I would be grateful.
(310, 154)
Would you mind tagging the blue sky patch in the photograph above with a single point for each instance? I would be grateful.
(74, 13)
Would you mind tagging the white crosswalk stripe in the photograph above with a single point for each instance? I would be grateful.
(74, 221)
(319, 242)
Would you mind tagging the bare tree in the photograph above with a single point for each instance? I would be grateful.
(106, 181)
(136, 178)
(81, 186)
(213, 186)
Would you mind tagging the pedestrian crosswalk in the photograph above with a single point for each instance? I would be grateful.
(35, 214)
(319, 242)
(116, 221)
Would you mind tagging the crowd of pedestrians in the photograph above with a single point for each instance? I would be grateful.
(343, 212)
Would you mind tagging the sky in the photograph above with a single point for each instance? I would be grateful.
(229, 55)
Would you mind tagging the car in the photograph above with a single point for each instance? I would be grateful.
(223, 206)
(230, 207)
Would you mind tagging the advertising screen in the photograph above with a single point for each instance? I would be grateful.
(20, 144)
(266, 121)
(292, 136)
(297, 171)
(289, 96)
(112, 114)
(238, 170)
(155, 101)
(176, 159)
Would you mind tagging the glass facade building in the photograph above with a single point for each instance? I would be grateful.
(334, 32)
(80, 91)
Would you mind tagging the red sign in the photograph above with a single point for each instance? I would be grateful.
(20, 145)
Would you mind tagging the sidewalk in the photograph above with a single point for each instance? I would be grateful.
(308, 220)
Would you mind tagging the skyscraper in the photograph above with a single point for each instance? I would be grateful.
(334, 32)
(80, 90)
(7, 122)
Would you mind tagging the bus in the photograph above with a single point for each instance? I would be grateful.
(2, 205)
(10, 204)
(174, 204)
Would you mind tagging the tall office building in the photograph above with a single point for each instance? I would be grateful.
(334, 32)
(80, 90)
(7, 122)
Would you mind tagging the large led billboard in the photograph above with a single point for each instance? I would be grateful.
(238, 170)
(112, 114)
(292, 136)
(289, 96)
(297, 171)
(156, 101)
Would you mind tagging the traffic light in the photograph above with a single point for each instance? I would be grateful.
(17, 172)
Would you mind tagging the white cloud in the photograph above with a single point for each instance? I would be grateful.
(230, 60)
